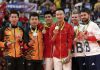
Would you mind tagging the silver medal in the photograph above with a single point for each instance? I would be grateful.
(34, 34)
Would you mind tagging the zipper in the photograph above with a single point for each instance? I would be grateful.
(38, 46)
(20, 43)
(51, 54)
(51, 49)
(14, 42)
(60, 45)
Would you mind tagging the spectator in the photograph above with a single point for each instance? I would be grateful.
(23, 19)
(57, 3)
(97, 10)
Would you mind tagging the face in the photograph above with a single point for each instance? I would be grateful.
(48, 18)
(85, 17)
(13, 19)
(34, 20)
(60, 15)
(75, 18)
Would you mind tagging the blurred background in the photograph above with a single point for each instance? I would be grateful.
(24, 7)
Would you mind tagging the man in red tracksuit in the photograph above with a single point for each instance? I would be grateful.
(48, 49)
(62, 36)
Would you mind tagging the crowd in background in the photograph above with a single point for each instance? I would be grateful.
(53, 5)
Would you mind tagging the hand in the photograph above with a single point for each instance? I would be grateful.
(43, 31)
(55, 34)
(87, 34)
(31, 43)
(19, 37)
(76, 39)
(55, 31)
(66, 60)
(9, 44)
(80, 36)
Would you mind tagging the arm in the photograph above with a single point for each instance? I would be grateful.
(2, 44)
(95, 34)
(40, 26)
(70, 39)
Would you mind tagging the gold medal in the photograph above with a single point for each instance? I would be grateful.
(57, 28)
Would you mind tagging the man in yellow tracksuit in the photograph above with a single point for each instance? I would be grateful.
(34, 54)
(12, 37)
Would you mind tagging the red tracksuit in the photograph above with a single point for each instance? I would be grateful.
(63, 40)
(48, 49)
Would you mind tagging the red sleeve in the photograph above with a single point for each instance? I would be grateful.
(51, 32)
(70, 37)
(92, 38)
(26, 19)
(25, 47)
(40, 26)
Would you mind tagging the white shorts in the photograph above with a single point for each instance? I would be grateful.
(48, 64)
(59, 66)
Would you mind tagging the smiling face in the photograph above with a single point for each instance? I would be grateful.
(75, 18)
(48, 18)
(84, 17)
(60, 15)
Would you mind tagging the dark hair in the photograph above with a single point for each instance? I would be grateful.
(34, 14)
(48, 12)
(14, 12)
(86, 10)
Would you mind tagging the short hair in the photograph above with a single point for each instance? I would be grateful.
(86, 10)
(34, 14)
(48, 12)
(60, 9)
(75, 11)
(14, 12)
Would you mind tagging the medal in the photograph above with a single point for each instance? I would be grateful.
(34, 34)
(57, 28)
